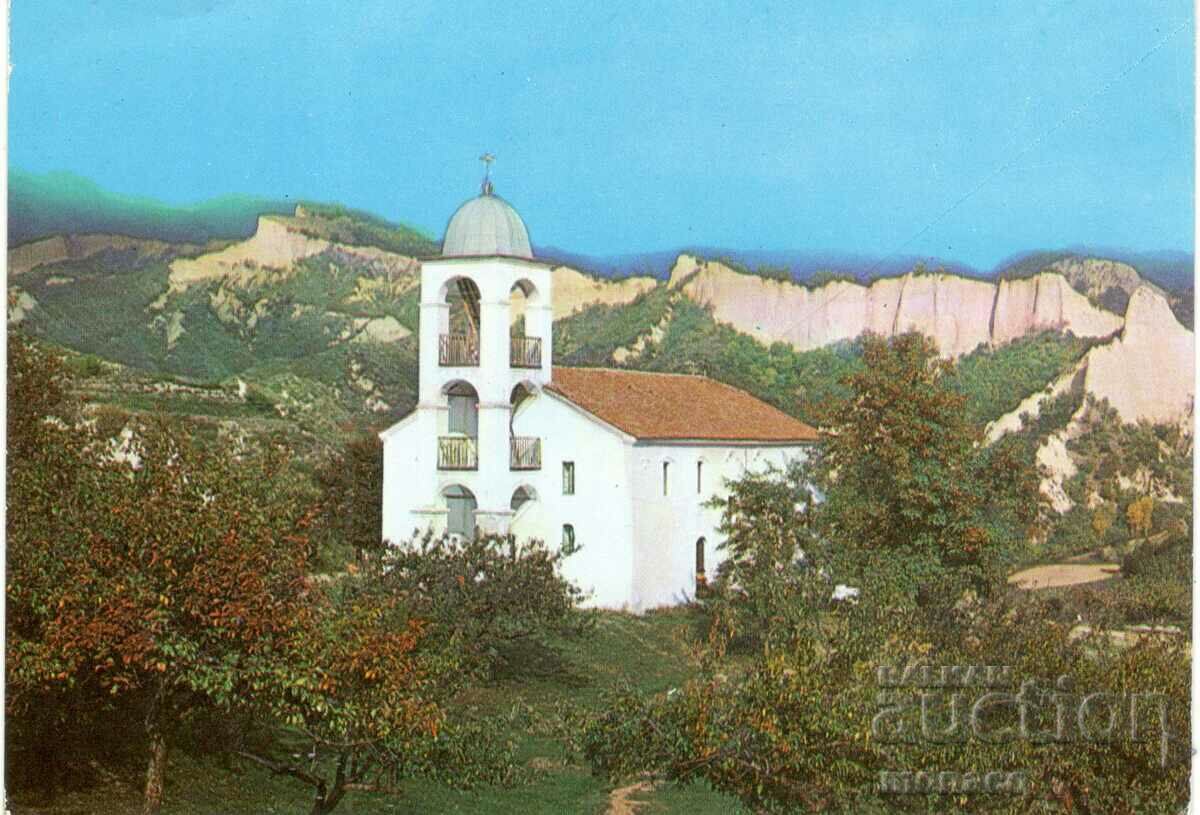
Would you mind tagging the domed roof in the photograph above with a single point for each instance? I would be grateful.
(486, 225)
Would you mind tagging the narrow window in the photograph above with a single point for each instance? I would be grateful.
(666, 477)
(568, 539)
(568, 478)
(700, 560)
(699, 477)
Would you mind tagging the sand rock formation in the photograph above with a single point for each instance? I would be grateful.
(1043, 302)
(1148, 372)
(958, 313)
(278, 244)
(57, 248)
(574, 290)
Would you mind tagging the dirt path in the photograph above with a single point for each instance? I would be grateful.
(1063, 574)
(620, 800)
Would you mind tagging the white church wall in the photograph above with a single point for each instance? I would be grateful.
(599, 511)
(409, 490)
(668, 526)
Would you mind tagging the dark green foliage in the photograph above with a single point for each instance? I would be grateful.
(793, 732)
(351, 506)
(141, 588)
(773, 578)
(766, 271)
(1158, 456)
(164, 593)
(104, 311)
(408, 310)
(996, 380)
(912, 503)
(484, 596)
(590, 336)
(824, 277)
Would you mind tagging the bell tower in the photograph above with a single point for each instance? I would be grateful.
(485, 347)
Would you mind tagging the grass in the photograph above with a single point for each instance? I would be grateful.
(652, 652)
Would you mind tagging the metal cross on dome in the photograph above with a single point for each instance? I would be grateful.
(487, 159)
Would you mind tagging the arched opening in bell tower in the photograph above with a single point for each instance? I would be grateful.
(526, 350)
(459, 341)
(458, 443)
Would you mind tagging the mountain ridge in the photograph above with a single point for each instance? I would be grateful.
(59, 203)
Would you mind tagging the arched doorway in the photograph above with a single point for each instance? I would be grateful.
(460, 506)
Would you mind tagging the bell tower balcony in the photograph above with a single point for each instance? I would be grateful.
(458, 350)
(525, 352)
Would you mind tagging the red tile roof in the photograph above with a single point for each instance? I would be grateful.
(675, 406)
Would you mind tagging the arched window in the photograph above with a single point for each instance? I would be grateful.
(520, 497)
(568, 537)
(699, 477)
(701, 579)
(666, 478)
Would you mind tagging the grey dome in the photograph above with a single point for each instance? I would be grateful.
(486, 225)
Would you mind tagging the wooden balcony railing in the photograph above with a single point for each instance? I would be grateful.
(458, 453)
(525, 352)
(458, 349)
(525, 453)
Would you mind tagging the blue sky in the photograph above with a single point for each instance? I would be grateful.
(967, 131)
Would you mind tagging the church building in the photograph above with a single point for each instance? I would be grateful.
(615, 463)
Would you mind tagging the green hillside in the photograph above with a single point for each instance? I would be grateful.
(289, 338)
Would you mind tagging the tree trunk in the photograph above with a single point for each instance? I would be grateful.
(325, 803)
(155, 772)
(156, 769)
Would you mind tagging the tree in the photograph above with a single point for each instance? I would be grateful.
(149, 570)
(1102, 520)
(798, 730)
(485, 594)
(351, 484)
(1140, 514)
(771, 577)
(180, 581)
(913, 504)
(389, 649)
(161, 576)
